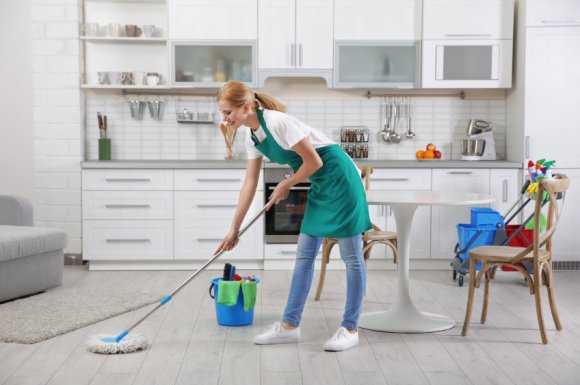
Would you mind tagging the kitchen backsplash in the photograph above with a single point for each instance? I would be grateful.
(438, 120)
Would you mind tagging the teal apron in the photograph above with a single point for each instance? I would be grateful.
(337, 205)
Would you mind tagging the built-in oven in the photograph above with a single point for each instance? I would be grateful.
(284, 219)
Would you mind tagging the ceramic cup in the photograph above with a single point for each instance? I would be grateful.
(90, 29)
(126, 78)
(114, 77)
(103, 77)
(139, 78)
(133, 31)
(149, 30)
(153, 78)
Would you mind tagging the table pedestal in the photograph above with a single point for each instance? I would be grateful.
(403, 316)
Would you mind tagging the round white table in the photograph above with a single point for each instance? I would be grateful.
(403, 316)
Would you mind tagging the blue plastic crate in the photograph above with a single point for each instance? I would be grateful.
(484, 216)
(476, 235)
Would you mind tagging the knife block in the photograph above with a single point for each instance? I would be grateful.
(104, 149)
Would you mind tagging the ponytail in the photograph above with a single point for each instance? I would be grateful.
(237, 93)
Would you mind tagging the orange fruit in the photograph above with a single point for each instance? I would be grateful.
(419, 154)
(431, 147)
(429, 154)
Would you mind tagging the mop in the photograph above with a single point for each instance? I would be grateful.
(125, 343)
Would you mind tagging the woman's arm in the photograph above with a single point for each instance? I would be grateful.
(247, 193)
(311, 162)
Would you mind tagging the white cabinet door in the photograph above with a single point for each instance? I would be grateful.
(405, 179)
(505, 185)
(566, 245)
(468, 19)
(544, 13)
(444, 220)
(295, 34)
(276, 33)
(373, 20)
(213, 19)
(552, 98)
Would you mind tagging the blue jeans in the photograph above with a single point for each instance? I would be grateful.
(356, 277)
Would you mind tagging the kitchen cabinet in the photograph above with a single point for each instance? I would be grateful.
(213, 19)
(377, 20)
(295, 38)
(402, 179)
(543, 105)
(505, 186)
(108, 50)
(444, 219)
(127, 215)
(205, 203)
(467, 43)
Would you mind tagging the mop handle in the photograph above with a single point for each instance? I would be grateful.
(168, 297)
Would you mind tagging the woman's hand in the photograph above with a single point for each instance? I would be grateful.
(280, 192)
(230, 241)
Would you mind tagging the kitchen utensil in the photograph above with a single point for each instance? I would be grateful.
(386, 112)
(477, 126)
(137, 107)
(394, 135)
(133, 30)
(229, 133)
(155, 108)
(473, 147)
(410, 134)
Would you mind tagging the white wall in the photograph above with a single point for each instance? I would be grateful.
(16, 144)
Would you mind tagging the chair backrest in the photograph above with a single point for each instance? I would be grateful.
(553, 193)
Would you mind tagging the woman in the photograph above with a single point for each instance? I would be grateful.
(336, 207)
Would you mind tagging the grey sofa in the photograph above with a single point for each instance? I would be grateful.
(31, 258)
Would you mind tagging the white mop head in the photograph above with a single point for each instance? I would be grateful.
(105, 344)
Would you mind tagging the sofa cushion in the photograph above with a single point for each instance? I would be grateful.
(22, 241)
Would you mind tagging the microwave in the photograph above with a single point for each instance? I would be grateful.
(467, 63)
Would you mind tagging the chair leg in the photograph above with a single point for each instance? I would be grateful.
(551, 298)
(538, 297)
(470, 296)
(395, 252)
(326, 247)
(488, 277)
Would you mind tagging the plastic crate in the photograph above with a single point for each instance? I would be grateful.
(524, 238)
(484, 216)
(476, 235)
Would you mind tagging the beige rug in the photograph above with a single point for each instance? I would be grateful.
(57, 311)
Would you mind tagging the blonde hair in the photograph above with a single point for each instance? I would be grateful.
(238, 93)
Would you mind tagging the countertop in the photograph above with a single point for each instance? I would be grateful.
(241, 164)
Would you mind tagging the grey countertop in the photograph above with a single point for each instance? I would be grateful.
(240, 164)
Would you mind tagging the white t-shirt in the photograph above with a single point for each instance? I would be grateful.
(286, 130)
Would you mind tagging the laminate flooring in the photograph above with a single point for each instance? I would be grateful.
(188, 347)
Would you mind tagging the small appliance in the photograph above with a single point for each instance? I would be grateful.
(479, 144)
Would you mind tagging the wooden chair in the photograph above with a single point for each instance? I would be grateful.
(370, 238)
(538, 255)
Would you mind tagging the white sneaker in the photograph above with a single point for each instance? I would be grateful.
(278, 335)
(341, 340)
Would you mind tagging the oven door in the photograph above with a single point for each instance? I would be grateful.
(284, 219)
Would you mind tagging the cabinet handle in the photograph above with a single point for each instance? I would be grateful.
(467, 35)
(285, 252)
(301, 188)
(209, 239)
(292, 55)
(390, 179)
(215, 206)
(460, 172)
(128, 240)
(128, 206)
(300, 55)
(203, 180)
(504, 191)
(560, 21)
(527, 147)
(127, 180)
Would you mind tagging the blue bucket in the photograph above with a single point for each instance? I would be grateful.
(231, 315)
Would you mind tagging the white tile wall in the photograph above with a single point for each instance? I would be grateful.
(57, 116)
(441, 121)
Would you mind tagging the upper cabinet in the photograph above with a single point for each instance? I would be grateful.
(547, 13)
(467, 43)
(122, 42)
(213, 19)
(295, 38)
(372, 20)
(468, 19)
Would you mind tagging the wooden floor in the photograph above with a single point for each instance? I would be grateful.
(188, 347)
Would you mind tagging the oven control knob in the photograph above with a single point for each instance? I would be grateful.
(287, 175)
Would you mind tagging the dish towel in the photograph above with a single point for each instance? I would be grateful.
(228, 292)
(249, 290)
